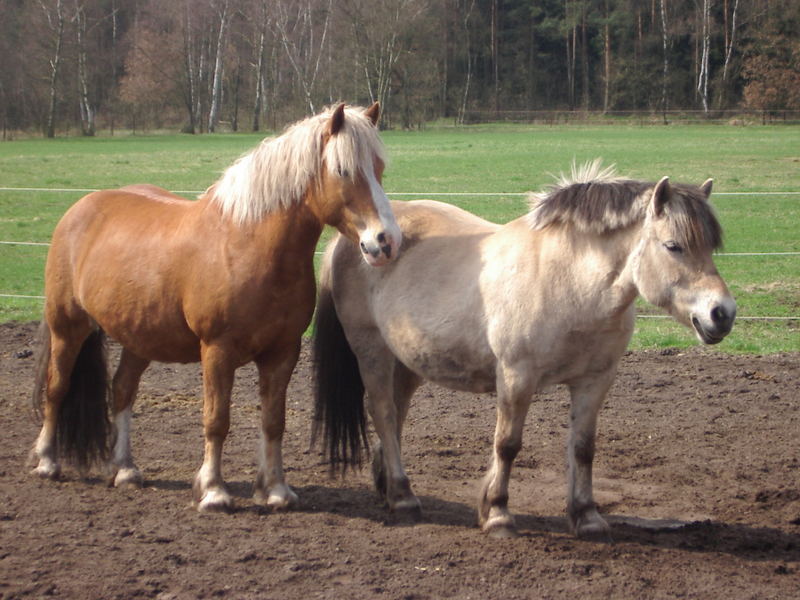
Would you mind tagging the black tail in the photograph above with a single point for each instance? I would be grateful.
(339, 390)
(82, 426)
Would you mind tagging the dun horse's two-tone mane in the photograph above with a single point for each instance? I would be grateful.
(278, 171)
(594, 199)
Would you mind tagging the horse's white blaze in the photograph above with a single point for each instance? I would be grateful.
(383, 249)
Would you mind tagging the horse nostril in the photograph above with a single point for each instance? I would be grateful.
(381, 238)
(364, 248)
(718, 315)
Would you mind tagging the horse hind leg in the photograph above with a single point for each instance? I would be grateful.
(74, 419)
(389, 476)
(122, 469)
(389, 386)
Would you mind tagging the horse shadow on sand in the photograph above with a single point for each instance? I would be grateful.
(361, 502)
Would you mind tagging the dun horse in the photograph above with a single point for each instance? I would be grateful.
(546, 299)
(225, 280)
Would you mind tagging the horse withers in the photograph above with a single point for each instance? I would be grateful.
(546, 299)
(224, 280)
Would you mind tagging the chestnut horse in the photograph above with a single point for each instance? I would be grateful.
(546, 299)
(224, 280)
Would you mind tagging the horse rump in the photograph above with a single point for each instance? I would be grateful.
(82, 423)
(338, 389)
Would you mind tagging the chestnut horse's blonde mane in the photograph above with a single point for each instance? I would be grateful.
(278, 171)
(594, 199)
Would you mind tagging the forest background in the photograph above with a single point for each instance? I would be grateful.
(244, 65)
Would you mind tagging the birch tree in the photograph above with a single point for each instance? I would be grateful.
(54, 13)
(469, 7)
(730, 37)
(665, 49)
(705, 42)
(261, 49)
(87, 109)
(216, 86)
(303, 40)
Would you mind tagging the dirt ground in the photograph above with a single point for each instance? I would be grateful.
(697, 469)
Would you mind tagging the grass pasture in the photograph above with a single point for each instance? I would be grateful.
(489, 167)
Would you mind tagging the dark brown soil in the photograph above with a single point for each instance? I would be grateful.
(697, 468)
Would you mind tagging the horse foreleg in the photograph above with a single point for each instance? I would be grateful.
(514, 395)
(123, 471)
(388, 406)
(210, 492)
(587, 398)
(274, 373)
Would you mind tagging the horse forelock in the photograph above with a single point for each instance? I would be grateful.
(593, 199)
(277, 173)
(692, 219)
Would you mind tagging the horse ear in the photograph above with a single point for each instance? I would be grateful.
(706, 187)
(373, 113)
(337, 120)
(661, 194)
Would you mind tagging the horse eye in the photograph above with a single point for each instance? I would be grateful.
(673, 246)
(343, 173)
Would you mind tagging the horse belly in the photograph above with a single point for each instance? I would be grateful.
(142, 311)
(150, 331)
(456, 364)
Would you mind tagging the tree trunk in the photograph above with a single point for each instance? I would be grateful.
(190, 92)
(114, 75)
(606, 59)
(702, 80)
(665, 70)
(87, 111)
(56, 23)
(216, 88)
(729, 42)
(584, 61)
(305, 66)
(495, 59)
(259, 85)
(468, 77)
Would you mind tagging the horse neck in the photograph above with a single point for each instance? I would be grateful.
(283, 234)
(603, 265)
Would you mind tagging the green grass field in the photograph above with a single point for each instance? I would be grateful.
(474, 161)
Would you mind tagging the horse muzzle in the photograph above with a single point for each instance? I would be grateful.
(714, 326)
(381, 248)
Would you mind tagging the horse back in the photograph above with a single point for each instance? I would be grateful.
(429, 218)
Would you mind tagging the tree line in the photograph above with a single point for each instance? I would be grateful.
(203, 65)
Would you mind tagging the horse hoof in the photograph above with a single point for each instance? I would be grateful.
(215, 501)
(409, 508)
(128, 478)
(47, 471)
(595, 532)
(277, 501)
(501, 528)
(502, 532)
(592, 527)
